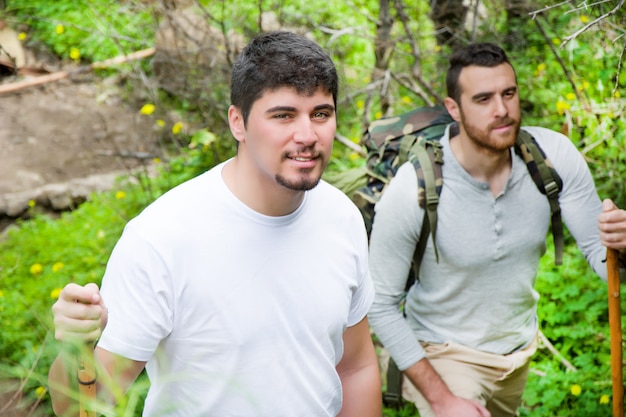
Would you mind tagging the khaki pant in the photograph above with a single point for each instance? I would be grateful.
(496, 381)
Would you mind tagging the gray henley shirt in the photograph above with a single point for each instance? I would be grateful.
(481, 293)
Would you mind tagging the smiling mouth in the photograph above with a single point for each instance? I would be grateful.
(302, 158)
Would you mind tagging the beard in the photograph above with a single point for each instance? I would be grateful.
(305, 183)
(305, 180)
(484, 139)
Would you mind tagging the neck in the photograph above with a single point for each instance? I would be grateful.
(260, 194)
(483, 164)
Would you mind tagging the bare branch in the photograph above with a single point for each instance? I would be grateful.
(548, 8)
(592, 23)
(545, 342)
(558, 58)
(347, 142)
(619, 69)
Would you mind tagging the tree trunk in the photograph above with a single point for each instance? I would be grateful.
(383, 49)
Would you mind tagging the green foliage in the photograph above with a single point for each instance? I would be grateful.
(86, 25)
(573, 316)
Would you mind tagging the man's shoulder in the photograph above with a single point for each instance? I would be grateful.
(555, 144)
(543, 134)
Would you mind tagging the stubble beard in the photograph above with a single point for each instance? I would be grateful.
(302, 184)
(306, 181)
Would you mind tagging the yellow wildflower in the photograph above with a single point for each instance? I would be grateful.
(378, 115)
(437, 48)
(406, 99)
(541, 67)
(178, 126)
(360, 104)
(576, 390)
(31, 203)
(120, 195)
(60, 29)
(1, 294)
(160, 122)
(55, 293)
(75, 54)
(36, 269)
(156, 160)
(22, 36)
(605, 399)
(57, 266)
(562, 107)
(570, 96)
(584, 18)
(617, 94)
(354, 156)
(147, 109)
(40, 391)
(556, 41)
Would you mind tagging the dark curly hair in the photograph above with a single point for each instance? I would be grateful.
(280, 59)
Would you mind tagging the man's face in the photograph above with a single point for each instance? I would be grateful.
(489, 110)
(289, 137)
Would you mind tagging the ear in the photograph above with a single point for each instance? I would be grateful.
(453, 108)
(235, 121)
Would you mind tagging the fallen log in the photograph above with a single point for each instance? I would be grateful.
(56, 76)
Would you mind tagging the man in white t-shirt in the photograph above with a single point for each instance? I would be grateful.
(244, 291)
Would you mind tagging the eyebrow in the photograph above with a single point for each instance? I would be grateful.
(293, 109)
(490, 93)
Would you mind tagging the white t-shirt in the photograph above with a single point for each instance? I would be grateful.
(237, 313)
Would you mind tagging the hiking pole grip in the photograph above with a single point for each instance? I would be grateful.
(86, 381)
(615, 324)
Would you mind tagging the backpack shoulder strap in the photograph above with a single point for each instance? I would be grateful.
(427, 158)
(548, 182)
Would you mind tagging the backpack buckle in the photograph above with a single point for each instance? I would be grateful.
(391, 400)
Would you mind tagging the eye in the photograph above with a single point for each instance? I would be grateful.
(510, 93)
(321, 115)
(281, 116)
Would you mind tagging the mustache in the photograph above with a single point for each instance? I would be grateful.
(505, 121)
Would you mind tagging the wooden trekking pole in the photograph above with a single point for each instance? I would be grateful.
(87, 382)
(615, 324)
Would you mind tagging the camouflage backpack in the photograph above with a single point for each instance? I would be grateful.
(414, 136)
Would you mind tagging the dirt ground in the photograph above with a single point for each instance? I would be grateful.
(66, 130)
(60, 132)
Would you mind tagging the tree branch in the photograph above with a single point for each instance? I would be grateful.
(592, 23)
(545, 342)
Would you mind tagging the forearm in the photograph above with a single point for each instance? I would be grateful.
(63, 385)
(429, 383)
(362, 395)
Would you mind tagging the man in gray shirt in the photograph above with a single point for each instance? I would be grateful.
(471, 320)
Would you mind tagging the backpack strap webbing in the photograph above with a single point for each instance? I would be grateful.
(427, 158)
(548, 182)
(392, 396)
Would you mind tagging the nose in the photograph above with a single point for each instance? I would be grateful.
(500, 107)
(304, 132)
